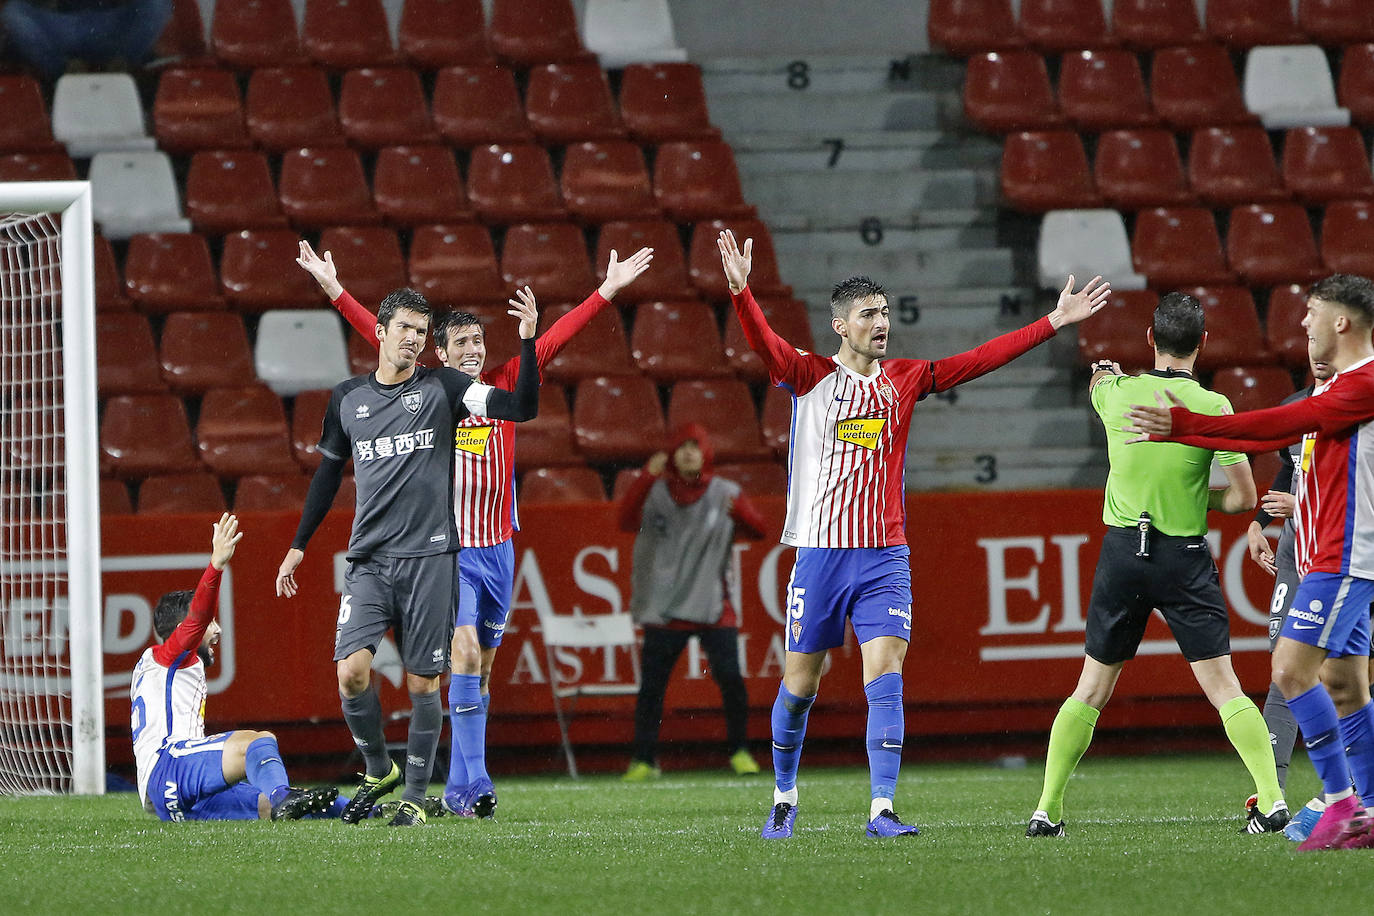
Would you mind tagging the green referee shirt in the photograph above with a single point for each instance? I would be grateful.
(1166, 479)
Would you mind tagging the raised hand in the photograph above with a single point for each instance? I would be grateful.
(620, 274)
(286, 574)
(525, 310)
(1074, 307)
(321, 268)
(737, 263)
(1149, 421)
(658, 462)
(226, 537)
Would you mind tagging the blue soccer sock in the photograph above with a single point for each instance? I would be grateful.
(1316, 716)
(457, 768)
(1357, 733)
(789, 731)
(886, 728)
(264, 770)
(469, 717)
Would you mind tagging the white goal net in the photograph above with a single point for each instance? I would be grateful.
(51, 715)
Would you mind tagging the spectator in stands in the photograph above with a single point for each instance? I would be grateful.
(686, 519)
(53, 35)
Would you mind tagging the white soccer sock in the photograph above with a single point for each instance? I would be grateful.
(1332, 798)
(788, 797)
(878, 806)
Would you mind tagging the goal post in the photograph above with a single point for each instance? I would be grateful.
(52, 722)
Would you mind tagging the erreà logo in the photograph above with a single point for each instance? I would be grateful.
(411, 401)
(864, 433)
(472, 439)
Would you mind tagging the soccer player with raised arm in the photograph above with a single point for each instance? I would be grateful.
(483, 508)
(1328, 618)
(182, 774)
(846, 509)
(396, 424)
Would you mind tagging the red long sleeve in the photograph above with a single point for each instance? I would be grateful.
(777, 354)
(188, 634)
(749, 522)
(631, 514)
(982, 359)
(1348, 402)
(363, 321)
(557, 335)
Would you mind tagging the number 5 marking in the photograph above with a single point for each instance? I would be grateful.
(796, 604)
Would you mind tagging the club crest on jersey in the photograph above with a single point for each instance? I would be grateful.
(411, 401)
(472, 439)
(864, 432)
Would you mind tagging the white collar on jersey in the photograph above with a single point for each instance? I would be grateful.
(877, 368)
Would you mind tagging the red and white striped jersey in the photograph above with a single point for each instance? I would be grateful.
(847, 449)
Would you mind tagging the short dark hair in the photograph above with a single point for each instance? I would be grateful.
(847, 292)
(1179, 324)
(171, 610)
(1354, 292)
(401, 299)
(449, 322)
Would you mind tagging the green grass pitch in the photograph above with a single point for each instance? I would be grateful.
(1145, 835)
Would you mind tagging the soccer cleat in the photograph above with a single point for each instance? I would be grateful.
(742, 762)
(433, 806)
(639, 771)
(1300, 827)
(1040, 825)
(1330, 826)
(299, 803)
(1358, 833)
(369, 790)
(780, 822)
(481, 798)
(408, 814)
(1257, 821)
(456, 803)
(887, 824)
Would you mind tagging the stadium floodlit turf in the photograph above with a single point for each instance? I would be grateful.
(1145, 835)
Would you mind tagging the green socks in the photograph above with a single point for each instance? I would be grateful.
(1250, 737)
(1070, 736)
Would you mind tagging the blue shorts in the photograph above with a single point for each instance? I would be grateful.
(485, 577)
(870, 586)
(187, 784)
(1331, 611)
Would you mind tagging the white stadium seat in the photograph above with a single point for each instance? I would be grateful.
(622, 32)
(99, 112)
(1085, 243)
(135, 192)
(1291, 86)
(300, 350)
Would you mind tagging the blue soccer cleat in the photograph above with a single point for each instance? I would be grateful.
(1300, 827)
(887, 824)
(457, 803)
(780, 822)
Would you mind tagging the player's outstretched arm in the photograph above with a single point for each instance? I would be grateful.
(779, 357)
(189, 633)
(1073, 307)
(325, 274)
(1251, 431)
(522, 403)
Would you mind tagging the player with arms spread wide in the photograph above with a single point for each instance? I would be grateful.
(846, 511)
(397, 424)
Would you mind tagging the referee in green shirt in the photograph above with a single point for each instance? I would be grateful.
(1155, 555)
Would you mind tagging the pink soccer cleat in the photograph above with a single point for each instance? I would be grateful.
(1331, 826)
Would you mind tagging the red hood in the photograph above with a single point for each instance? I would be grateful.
(683, 490)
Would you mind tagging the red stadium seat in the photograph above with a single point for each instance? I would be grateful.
(307, 423)
(697, 180)
(1064, 25)
(125, 356)
(1009, 90)
(26, 127)
(1141, 168)
(369, 260)
(1229, 166)
(1253, 388)
(183, 39)
(1100, 90)
(479, 104)
(1196, 87)
(226, 192)
(271, 493)
(1149, 24)
(756, 478)
(1269, 244)
(526, 33)
(384, 106)
(1284, 332)
(1336, 22)
(114, 499)
(242, 431)
(291, 107)
(547, 440)
(550, 258)
(569, 102)
(663, 102)
(1322, 164)
(1236, 338)
(562, 485)
(55, 166)
(443, 33)
(1047, 170)
(726, 409)
(258, 271)
(414, 185)
(964, 27)
(109, 285)
(623, 478)
(198, 109)
(618, 418)
(607, 180)
(247, 34)
(1248, 23)
(677, 340)
(343, 34)
(1179, 247)
(325, 187)
(703, 260)
(203, 350)
(171, 272)
(456, 263)
(1355, 86)
(145, 434)
(188, 493)
(1348, 237)
(666, 278)
(362, 355)
(513, 183)
(598, 349)
(1118, 331)
(776, 422)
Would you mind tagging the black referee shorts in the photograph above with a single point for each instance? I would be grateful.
(1178, 577)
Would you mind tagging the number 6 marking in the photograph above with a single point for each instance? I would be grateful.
(345, 609)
